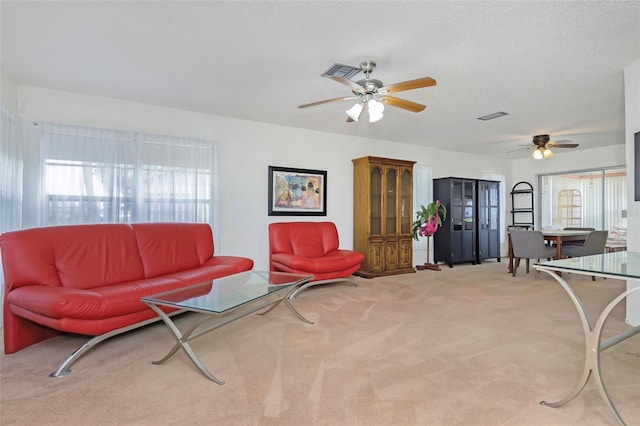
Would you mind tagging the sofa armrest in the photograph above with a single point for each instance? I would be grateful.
(241, 264)
(55, 302)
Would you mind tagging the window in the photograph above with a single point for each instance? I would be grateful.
(97, 175)
(593, 199)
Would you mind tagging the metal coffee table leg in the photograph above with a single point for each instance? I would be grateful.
(182, 342)
(183, 338)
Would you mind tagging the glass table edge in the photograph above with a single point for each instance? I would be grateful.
(621, 265)
(156, 300)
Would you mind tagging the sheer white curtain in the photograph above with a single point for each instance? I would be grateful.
(87, 175)
(11, 148)
(615, 201)
(11, 160)
(422, 196)
(98, 175)
(178, 177)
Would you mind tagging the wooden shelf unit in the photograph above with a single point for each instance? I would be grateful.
(383, 215)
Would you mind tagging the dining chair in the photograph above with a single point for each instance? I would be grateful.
(575, 242)
(529, 245)
(595, 243)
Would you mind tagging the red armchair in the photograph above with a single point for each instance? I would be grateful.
(311, 248)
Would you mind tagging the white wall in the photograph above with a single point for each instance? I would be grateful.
(632, 125)
(246, 149)
(8, 91)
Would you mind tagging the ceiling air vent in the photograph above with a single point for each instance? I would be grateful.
(340, 70)
(492, 116)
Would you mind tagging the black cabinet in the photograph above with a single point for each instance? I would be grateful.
(454, 242)
(488, 202)
(471, 232)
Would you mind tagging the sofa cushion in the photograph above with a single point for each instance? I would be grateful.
(337, 260)
(90, 327)
(171, 247)
(312, 239)
(75, 256)
(97, 303)
(27, 259)
(202, 274)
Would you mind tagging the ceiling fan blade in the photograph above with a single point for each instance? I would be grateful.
(516, 150)
(402, 103)
(563, 145)
(408, 85)
(350, 84)
(326, 101)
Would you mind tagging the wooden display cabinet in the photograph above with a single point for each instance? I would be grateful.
(383, 215)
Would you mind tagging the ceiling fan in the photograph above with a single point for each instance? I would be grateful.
(372, 92)
(542, 146)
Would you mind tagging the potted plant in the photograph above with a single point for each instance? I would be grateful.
(428, 220)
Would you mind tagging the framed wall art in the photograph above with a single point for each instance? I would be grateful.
(297, 192)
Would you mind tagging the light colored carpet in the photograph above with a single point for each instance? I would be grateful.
(470, 345)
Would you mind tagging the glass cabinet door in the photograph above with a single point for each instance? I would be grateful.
(391, 196)
(483, 206)
(494, 206)
(406, 195)
(456, 205)
(376, 201)
(468, 205)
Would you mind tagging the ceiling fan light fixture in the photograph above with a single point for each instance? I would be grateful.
(365, 89)
(375, 110)
(537, 154)
(547, 153)
(355, 111)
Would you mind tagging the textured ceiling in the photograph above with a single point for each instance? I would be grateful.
(555, 67)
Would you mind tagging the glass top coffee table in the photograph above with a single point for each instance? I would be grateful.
(225, 299)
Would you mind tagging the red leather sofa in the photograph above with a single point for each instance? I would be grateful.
(88, 279)
(311, 248)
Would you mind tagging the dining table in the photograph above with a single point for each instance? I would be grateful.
(556, 236)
